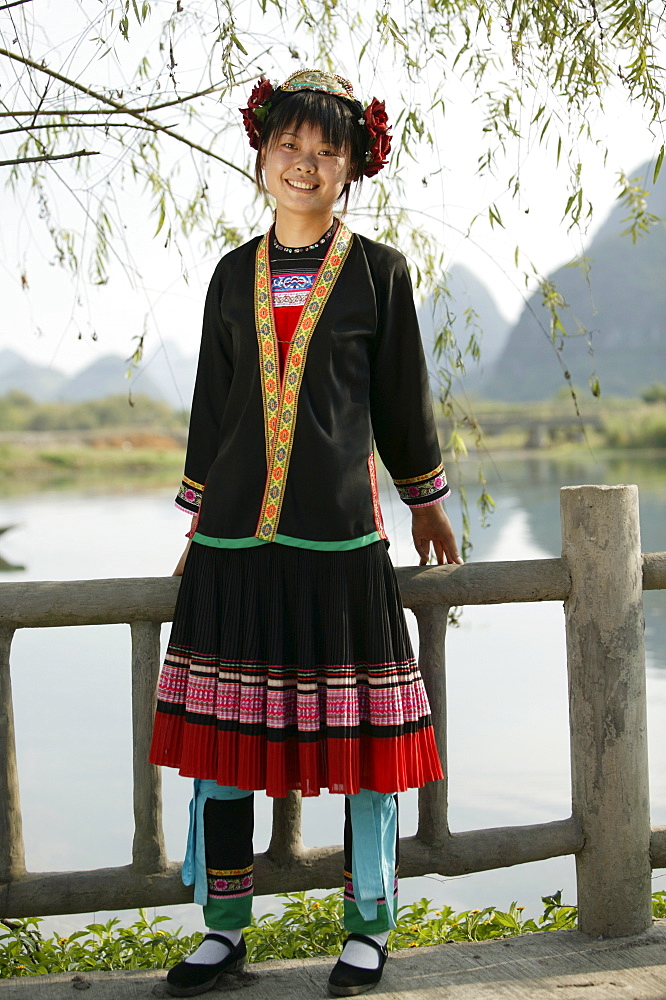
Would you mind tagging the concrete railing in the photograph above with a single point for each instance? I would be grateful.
(600, 577)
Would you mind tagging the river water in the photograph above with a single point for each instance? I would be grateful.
(507, 691)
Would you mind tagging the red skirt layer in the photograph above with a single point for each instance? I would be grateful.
(252, 762)
(292, 669)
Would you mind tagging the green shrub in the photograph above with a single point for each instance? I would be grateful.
(18, 412)
(632, 431)
(307, 927)
(655, 393)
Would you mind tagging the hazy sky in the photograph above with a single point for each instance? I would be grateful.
(44, 321)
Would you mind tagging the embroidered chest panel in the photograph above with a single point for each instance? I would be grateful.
(280, 399)
(292, 289)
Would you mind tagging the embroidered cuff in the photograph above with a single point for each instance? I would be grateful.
(430, 503)
(423, 490)
(189, 496)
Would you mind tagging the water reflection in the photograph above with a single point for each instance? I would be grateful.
(536, 482)
(5, 565)
(533, 485)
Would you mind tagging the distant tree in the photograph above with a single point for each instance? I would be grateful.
(19, 399)
(18, 412)
(113, 411)
(655, 393)
(15, 408)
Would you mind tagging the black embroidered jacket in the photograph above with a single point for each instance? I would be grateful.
(292, 460)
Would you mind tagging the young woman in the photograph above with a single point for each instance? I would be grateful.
(289, 664)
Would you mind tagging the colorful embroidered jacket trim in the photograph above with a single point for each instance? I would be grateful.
(268, 352)
(189, 496)
(281, 401)
(376, 508)
(420, 479)
(423, 490)
(297, 543)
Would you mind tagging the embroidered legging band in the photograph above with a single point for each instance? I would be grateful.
(219, 857)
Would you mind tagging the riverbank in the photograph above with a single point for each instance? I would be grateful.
(32, 460)
(60, 460)
(61, 445)
(559, 423)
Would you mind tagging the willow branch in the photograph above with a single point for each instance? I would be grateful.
(75, 112)
(48, 156)
(121, 107)
(122, 110)
(16, 3)
(215, 89)
(61, 126)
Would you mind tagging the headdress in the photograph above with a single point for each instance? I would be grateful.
(373, 119)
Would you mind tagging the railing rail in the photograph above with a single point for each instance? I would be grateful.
(600, 578)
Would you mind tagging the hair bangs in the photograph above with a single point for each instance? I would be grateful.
(318, 111)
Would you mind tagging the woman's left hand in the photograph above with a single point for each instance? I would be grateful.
(431, 524)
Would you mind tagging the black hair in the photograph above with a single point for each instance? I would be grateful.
(337, 119)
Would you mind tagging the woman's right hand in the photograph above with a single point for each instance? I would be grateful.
(181, 562)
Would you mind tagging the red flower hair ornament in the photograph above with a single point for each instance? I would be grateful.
(376, 122)
(373, 119)
(258, 106)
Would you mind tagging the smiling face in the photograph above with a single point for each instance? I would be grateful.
(305, 174)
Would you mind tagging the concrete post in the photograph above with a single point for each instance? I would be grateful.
(433, 798)
(286, 844)
(607, 704)
(12, 856)
(148, 849)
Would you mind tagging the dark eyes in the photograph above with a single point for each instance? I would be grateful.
(325, 152)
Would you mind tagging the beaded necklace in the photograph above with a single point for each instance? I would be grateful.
(313, 246)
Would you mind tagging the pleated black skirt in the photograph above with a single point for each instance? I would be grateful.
(292, 668)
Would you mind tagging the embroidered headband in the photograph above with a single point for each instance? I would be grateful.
(264, 98)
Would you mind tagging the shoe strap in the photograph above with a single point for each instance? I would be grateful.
(222, 940)
(381, 948)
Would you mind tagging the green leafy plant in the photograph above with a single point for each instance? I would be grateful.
(24, 951)
(307, 926)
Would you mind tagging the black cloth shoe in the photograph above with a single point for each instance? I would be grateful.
(188, 979)
(347, 980)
